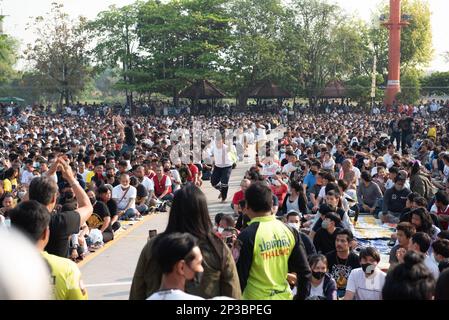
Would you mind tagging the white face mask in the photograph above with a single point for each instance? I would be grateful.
(294, 225)
(220, 229)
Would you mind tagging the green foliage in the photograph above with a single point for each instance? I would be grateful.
(59, 54)
(8, 57)
(410, 87)
(359, 88)
(436, 84)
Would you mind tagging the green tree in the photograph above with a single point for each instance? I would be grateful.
(8, 56)
(256, 52)
(436, 83)
(410, 87)
(59, 54)
(322, 43)
(115, 33)
(181, 41)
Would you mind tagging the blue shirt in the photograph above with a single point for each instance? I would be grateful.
(310, 180)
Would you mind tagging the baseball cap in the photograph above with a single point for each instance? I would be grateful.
(402, 175)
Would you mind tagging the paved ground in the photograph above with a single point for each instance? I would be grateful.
(108, 273)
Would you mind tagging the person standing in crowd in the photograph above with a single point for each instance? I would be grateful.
(269, 250)
(189, 213)
(222, 167)
(322, 285)
(342, 261)
(33, 219)
(366, 283)
(62, 224)
(179, 258)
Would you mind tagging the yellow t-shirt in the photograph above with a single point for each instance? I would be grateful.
(65, 278)
(89, 176)
(8, 184)
(432, 133)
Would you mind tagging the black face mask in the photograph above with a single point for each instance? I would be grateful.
(318, 275)
(368, 268)
(92, 200)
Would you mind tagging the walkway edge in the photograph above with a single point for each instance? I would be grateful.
(108, 245)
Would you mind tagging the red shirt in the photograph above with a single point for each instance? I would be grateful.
(159, 185)
(238, 196)
(280, 193)
(193, 170)
(443, 224)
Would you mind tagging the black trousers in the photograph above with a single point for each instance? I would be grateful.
(220, 179)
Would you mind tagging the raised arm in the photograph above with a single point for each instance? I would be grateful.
(85, 208)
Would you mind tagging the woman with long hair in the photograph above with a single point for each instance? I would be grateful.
(422, 221)
(296, 199)
(189, 213)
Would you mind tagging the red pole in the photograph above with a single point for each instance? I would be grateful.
(394, 52)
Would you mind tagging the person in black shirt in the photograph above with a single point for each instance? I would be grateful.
(324, 239)
(406, 125)
(62, 224)
(342, 260)
(127, 134)
(105, 196)
(101, 218)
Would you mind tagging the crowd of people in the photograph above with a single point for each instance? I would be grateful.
(69, 182)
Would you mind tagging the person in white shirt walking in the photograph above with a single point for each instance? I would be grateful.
(222, 168)
(366, 283)
(179, 258)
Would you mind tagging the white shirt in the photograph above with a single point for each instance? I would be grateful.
(84, 174)
(317, 291)
(260, 134)
(388, 160)
(218, 156)
(432, 266)
(148, 184)
(288, 168)
(175, 294)
(329, 165)
(54, 176)
(26, 177)
(122, 200)
(366, 288)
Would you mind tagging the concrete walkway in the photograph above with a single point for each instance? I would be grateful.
(108, 273)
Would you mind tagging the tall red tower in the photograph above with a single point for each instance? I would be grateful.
(394, 52)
